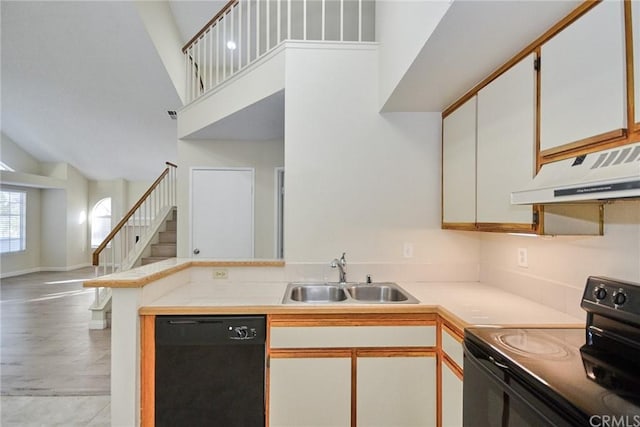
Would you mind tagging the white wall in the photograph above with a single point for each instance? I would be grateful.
(53, 244)
(54, 170)
(255, 83)
(559, 266)
(124, 194)
(65, 243)
(77, 207)
(264, 156)
(356, 180)
(21, 161)
(16, 158)
(135, 190)
(162, 29)
(58, 228)
(57, 233)
(402, 29)
(116, 189)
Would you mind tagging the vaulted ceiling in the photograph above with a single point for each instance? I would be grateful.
(82, 83)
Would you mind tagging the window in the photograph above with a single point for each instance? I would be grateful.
(12, 221)
(100, 221)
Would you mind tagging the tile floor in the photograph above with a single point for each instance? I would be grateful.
(54, 371)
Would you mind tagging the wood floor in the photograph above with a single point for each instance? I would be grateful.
(54, 370)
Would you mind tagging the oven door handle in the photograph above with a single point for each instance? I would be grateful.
(498, 364)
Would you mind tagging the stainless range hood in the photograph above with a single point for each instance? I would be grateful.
(608, 174)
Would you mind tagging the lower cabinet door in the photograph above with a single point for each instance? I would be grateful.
(451, 398)
(396, 391)
(311, 392)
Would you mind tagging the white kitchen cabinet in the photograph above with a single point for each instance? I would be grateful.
(313, 392)
(451, 398)
(459, 165)
(320, 366)
(396, 391)
(583, 86)
(506, 144)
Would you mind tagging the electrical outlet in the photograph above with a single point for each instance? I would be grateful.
(522, 258)
(407, 250)
(220, 273)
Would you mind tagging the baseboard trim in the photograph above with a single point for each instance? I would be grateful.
(67, 268)
(4, 275)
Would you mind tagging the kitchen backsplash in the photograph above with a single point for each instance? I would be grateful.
(558, 267)
(356, 272)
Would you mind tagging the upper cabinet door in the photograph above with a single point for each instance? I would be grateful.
(583, 91)
(459, 165)
(506, 143)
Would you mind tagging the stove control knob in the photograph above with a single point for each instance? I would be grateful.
(600, 293)
(619, 297)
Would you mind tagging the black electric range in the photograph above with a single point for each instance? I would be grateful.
(560, 377)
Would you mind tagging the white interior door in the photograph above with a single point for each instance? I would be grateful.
(222, 213)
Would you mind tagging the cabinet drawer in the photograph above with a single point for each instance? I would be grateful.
(352, 336)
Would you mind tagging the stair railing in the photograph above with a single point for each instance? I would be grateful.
(246, 30)
(122, 244)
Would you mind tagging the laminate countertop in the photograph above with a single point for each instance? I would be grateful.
(464, 303)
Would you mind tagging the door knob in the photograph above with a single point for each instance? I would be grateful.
(196, 251)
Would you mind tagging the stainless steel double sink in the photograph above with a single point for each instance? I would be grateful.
(347, 293)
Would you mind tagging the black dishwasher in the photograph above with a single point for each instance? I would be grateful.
(210, 371)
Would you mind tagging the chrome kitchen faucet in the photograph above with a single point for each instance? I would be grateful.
(341, 264)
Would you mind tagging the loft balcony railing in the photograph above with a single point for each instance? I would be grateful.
(245, 30)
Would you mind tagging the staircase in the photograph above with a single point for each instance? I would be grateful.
(147, 231)
(166, 245)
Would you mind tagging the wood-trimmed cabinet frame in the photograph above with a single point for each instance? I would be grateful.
(147, 370)
(354, 353)
(458, 335)
(443, 359)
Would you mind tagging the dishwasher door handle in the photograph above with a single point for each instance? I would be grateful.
(183, 322)
(192, 322)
